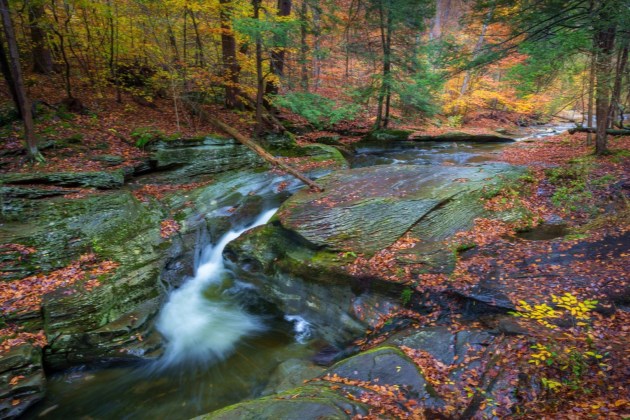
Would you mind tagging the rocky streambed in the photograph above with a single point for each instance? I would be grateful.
(299, 274)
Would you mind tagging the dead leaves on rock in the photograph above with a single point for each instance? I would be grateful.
(168, 228)
(26, 295)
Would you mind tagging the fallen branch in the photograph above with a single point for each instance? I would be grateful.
(610, 131)
(263, 153)
(256, 148)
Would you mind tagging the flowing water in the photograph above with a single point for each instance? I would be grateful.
(199, 324)
(439, 153)
(217, 353)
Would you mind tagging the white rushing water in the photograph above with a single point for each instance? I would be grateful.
(199, 328)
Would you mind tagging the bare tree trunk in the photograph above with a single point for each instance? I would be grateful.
(317, 47)
(62, 48)
(278, 55)
(478, 46)
(387, 69)
(303, 47)
(605, 42)
(591, 98)
(16, 72)
(436, 28)
(5, 67)
(199, 58)
(260, 80)
(231, 68)
(42, 58)
(384, 97)
(615, 104)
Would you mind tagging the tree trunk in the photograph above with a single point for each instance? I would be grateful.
(317, 47)
(303, 47)
(591, 98)
(615, 104)
(16, 71)
(605, 42)
(5, 67)
(278, 55)
(62, 48)
(231, 68)
(260, 80)
(387, 69)
(42, 58)
(478, 46)
(384, 97)
(199, 58)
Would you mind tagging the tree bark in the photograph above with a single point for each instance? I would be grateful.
(5, 67)
(260, 79)
(478, 46)
(591, 90)
(278, 55)
(16, 72)
(199, 57)
(62, 46)
(605, 42)
(231, 68)
(616, 92)
(42, 58)
(303, 47)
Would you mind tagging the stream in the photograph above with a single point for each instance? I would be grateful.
(219, 351)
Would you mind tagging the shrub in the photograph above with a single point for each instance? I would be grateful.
(319, 111)
(146, 135)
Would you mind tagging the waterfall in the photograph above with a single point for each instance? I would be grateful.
(199, 324)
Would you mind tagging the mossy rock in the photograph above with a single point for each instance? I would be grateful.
(308, 402)
(388, 135)
(461, 136)
(24, 360)
(368, 209)
(100, 180)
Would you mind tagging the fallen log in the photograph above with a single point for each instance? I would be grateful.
(610, 131)
(256, 148)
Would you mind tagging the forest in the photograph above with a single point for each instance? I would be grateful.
(290, 209)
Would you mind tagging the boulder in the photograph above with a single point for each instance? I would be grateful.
(368, 209)
(307, 403)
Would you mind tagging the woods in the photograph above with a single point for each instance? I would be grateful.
(393, 58)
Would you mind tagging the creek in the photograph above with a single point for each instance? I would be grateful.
(223, 343)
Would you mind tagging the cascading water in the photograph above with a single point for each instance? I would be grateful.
(199, 324)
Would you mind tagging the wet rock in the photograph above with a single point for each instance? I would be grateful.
(388, 135)
(387, 366)
(203, 157)
(22, 380)
(9, 193)
(461, 136)
(110, 160)
(368, 209)
(309, 402)
(291, 374)
(100, 180)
